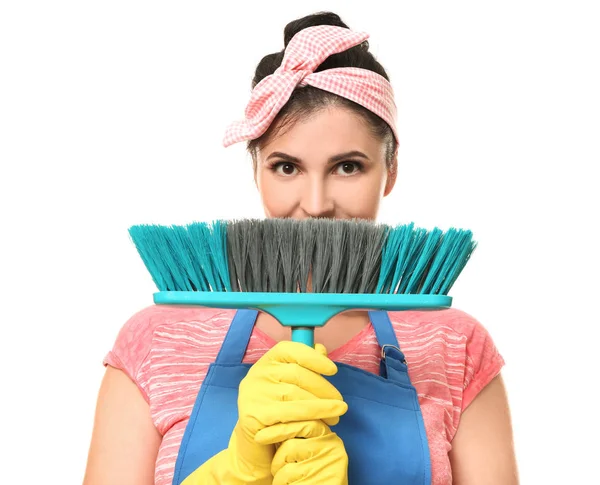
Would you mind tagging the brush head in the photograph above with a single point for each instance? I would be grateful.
(313, 255)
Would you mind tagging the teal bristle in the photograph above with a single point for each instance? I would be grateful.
(423, 262)
(207, 254)
(160, 248)
(183, 257)
(199, 249)
(218, 253)
(402, 280)
(144, 243)
(394, 257)
(450, 259)
(458, 258)
(405, 245)
(438, 268)
(423, 259)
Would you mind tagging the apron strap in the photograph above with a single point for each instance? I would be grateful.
(393, 364)
(383, 328)
(237, 338)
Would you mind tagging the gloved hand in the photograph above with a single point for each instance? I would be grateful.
(318, 459)
(283, 396)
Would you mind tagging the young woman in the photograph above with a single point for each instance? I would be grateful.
(205, 396)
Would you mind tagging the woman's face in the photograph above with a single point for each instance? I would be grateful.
(328, 165)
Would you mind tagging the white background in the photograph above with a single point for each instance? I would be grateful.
(112, 114)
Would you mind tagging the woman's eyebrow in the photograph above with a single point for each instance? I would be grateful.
(333, 159)
(343, 156)
(284, 156)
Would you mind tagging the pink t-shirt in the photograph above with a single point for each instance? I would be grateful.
(166, 351)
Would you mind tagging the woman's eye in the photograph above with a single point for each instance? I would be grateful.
(284, 168)
(348, 168)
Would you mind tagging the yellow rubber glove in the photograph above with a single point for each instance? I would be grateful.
(320, 458)
(317, 459)
(284, 396)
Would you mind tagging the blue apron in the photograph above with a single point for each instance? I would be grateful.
(383, 429)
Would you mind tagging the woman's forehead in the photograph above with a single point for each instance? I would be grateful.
(326, 132)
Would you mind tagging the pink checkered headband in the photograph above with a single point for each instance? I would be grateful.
(303, 54)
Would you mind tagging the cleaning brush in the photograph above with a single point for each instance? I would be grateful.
(303, 272)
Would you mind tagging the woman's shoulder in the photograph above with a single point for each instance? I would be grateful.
(452, 322)
(146, 328)
(138, 330)
(451, 342)
(149, 319)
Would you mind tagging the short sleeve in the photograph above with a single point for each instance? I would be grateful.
(483, 361)
(132, 346)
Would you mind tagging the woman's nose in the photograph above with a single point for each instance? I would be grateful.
(316, 199)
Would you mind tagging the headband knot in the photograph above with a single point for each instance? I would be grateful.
(305, 52)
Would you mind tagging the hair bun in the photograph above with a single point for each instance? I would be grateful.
(320, 18)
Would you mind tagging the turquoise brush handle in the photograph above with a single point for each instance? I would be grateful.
(304, 311)
(304, 336)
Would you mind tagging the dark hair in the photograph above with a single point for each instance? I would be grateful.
(308, 99)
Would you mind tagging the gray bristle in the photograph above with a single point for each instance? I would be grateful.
(250, 254)
(271, 256)
(296, 254)
(254, 237)
(262, 277)
(321, 264)
(308, 240)
(338, 233)
(287, 251)
(353, 257)
(276, 277)
(374, 240)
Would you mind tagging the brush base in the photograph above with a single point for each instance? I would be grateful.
(303, 311)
